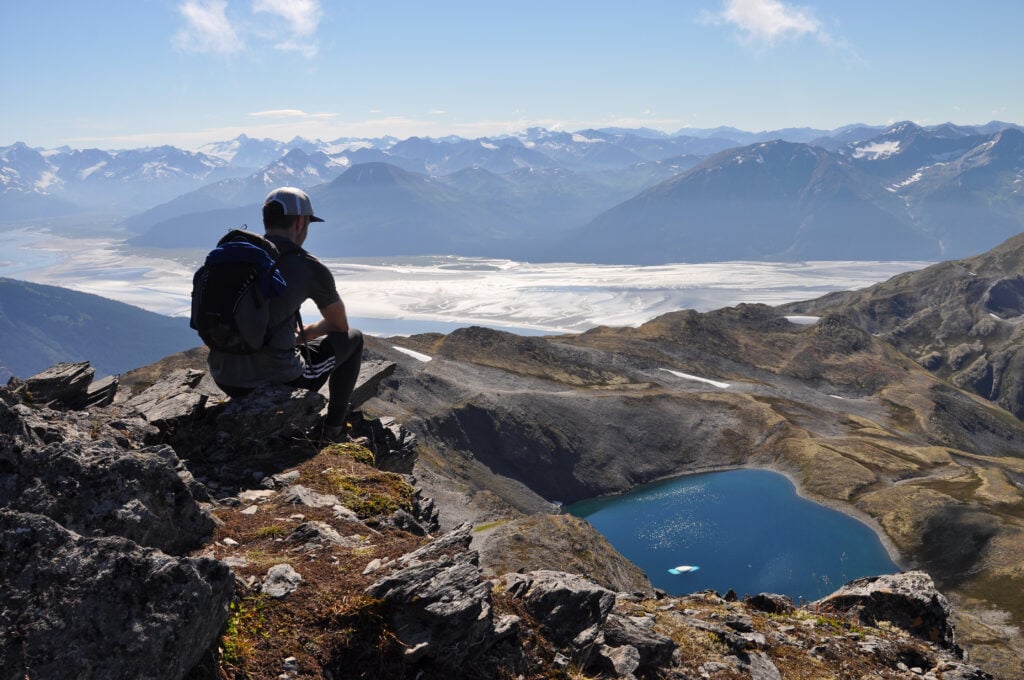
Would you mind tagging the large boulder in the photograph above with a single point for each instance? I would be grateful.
(87, 482)
(77, 607)
(269, 413)
(171, 399)
(908, 600)
(65, 385)
(439, 604)
(571, 609)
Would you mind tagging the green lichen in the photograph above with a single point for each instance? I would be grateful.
(373, 494)
(360, 454)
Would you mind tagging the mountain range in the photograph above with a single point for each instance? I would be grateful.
(611, 195)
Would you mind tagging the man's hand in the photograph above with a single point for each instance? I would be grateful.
(335, 319)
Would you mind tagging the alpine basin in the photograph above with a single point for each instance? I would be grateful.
(747, 530)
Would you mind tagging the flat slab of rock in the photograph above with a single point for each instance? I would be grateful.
(65, 384)
(173, 398)
(269, 413)
(371, 374)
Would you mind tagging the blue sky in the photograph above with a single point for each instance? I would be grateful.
(131, 73)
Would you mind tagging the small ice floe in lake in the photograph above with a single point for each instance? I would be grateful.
(687, 376)
(418, 356)
(803, 320)
(683, 569)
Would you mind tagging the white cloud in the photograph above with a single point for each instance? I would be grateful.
(207, 28)
(768, 22)
(290, 113)
(301, 20)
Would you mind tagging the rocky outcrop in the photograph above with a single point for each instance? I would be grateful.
(74, 607)
(95, 489)
(561, 543)
(570, 609)
(440, 606)
(909, 601)
(99, 515)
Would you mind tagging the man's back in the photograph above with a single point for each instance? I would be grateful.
(277, 362)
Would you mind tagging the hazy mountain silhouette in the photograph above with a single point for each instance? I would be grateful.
(769, 201)
(44, 325)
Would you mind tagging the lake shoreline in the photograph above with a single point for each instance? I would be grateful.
(834, 504)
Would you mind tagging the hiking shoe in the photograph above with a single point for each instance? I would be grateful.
(337, 434)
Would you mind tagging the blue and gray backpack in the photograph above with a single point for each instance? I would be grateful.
(231, 293)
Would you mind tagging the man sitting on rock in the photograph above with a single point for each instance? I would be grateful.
(330, 352)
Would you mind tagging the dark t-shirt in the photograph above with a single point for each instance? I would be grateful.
(280, 361)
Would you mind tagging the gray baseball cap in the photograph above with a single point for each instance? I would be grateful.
(293, 201)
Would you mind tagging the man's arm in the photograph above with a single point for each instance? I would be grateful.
(335, 319)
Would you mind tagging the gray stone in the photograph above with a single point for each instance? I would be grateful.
(394, 446)
(283, 479)
(300, 495)
(371, 374)
(908, 600)
(621, 662)
(281, 581)
(171, 399)
(400, 519)
(569, 608)
(255, 495)
(77, 607)
(762, 668)
(268, 414)
(770, 603)
(322, 533)
(97, 489)
(952, 670)
(346, 514)
(458, 539)
(65, 385)
(441, 608)
(653, 650)
(102, 392)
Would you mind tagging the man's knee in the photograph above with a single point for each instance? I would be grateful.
(346, 344)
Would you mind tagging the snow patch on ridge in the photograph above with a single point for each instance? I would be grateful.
(418, 356)
(878, 150)
(687, 376)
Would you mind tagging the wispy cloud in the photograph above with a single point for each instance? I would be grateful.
(291, 26)
(301, 20)
(294, 114)
(207, 28)
(768, 22)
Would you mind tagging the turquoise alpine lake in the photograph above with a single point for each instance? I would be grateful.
(747, 530)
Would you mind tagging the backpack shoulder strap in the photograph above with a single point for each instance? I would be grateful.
(252, 238)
